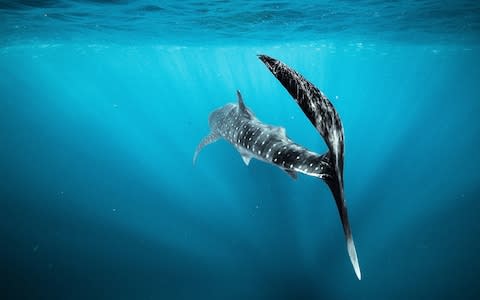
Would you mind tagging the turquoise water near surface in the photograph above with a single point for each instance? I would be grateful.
(103, 103)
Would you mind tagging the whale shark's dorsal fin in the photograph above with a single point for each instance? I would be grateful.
(241, 104)
(242, 107)
(280, 130)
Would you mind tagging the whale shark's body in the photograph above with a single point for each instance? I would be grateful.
(253, 139)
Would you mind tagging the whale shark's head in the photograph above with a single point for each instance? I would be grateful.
(219, 116)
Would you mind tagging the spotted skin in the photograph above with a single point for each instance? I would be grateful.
(267, 143)
(252, 138)
(314, 104)
(321, 113)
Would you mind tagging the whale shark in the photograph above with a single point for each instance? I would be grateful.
(237, 124)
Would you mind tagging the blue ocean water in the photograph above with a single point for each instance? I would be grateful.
(102, 104)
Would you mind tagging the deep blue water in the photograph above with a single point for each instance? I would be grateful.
(103, 103)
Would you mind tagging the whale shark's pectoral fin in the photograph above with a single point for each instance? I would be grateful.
(246, 159)
(212, 137)
(246, 156)
(292, 173)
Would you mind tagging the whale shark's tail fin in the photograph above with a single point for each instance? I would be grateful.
(320, 111)
(342, 210)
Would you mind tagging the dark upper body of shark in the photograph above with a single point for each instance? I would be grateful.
(254, 139)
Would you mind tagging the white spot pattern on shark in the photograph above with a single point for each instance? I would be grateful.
(271, 144)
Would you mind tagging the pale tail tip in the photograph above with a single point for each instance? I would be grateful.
(353, 258)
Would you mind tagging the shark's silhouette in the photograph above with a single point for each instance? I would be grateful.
(253, 139)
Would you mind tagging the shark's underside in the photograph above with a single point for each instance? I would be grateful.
(253, 139)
